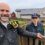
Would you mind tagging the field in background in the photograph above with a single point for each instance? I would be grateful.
(21, 22)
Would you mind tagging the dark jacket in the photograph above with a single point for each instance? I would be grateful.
(36, 29)
(2, 33)
(10, 34)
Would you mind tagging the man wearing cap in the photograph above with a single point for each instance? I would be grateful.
(36, 27)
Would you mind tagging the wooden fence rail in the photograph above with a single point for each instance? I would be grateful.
(26, 41)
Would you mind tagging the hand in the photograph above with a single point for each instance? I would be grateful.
(16, 26)
(39, 36)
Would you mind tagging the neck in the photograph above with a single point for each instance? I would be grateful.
(35, 23)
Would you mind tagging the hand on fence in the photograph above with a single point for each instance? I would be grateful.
(39, 36)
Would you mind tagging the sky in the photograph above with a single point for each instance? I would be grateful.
(24, 4)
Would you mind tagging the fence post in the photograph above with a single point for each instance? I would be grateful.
(36, 41)
(30, 41)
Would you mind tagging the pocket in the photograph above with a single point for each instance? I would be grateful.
(10, 40)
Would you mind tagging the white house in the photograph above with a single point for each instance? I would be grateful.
(26, 13)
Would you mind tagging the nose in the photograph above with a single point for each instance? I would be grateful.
(4, 12)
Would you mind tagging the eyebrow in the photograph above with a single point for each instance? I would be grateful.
(4, 10)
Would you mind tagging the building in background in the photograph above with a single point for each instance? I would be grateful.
(26, 13)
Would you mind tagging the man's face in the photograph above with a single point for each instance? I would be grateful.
(4, 12)
(35, 20)
(4, 15)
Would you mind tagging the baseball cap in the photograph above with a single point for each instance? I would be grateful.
(35, 15)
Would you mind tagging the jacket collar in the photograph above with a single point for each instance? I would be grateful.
(37, 24)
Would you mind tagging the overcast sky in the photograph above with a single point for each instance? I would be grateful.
(16, 4)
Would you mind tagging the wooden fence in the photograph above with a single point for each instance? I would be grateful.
(28, 41)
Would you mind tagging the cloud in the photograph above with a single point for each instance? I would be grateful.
(29, 3)
(25, 3)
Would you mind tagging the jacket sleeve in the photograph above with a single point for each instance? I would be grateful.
(26, 33)
(42, 31)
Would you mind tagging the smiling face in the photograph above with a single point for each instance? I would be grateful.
(4, 12)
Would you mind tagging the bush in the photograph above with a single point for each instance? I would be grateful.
(21, 22)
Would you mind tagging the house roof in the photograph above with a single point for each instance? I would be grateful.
(30, 11)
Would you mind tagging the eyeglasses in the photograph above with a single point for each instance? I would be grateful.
(4, 10)
(34, 17)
